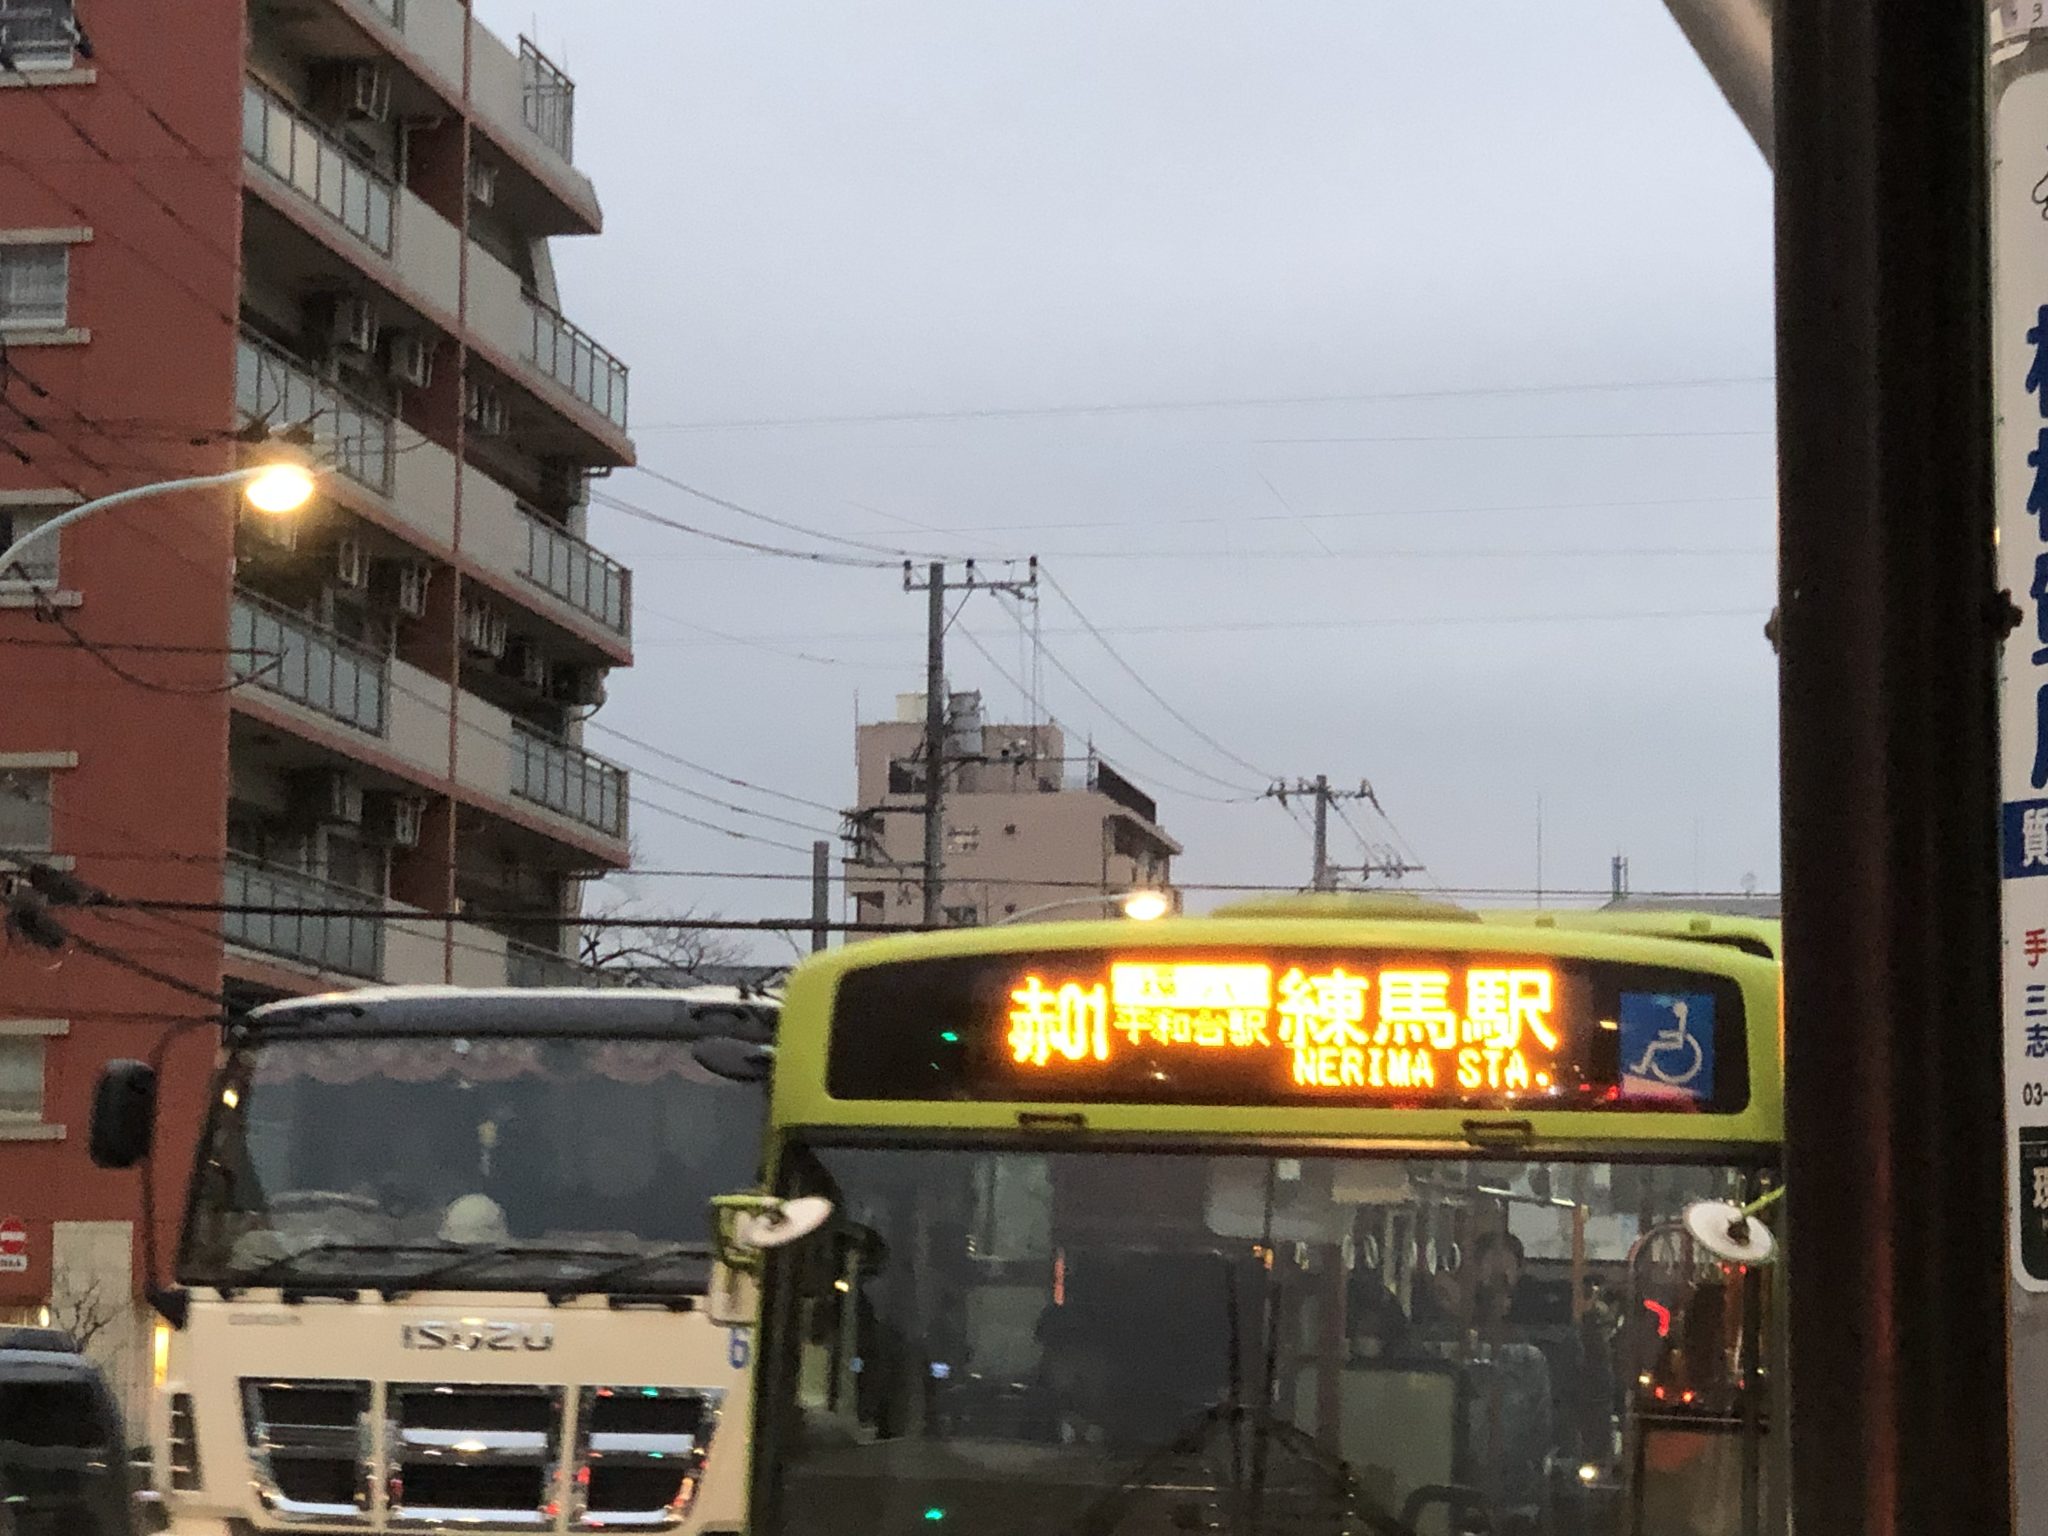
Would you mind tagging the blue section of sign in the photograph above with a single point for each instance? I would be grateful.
(1667, 1045)
(2024, 840)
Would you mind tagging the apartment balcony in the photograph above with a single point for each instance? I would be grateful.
(274, 387)
(571, 782)
(575, 362)
(275, 649)
(305, 157)
(578, 573)
(345, 937)
(573, 583)
(402, 242)
(401, 714)
(528, 965)
(523, 101)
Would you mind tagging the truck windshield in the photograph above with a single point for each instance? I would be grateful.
(1032, 1343)
(512, 1161)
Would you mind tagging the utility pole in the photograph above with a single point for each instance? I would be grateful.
(935, 755)
(1889, 626)
(1324, 876)
(934, 743)
(821, 894)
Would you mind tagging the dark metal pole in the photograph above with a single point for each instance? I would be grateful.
(1888, 637)
(935, 745)
(821, 894)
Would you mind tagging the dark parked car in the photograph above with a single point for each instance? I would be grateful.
(64, 1468)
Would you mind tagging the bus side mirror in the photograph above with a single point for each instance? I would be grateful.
(123, 1114)
(744, 1228)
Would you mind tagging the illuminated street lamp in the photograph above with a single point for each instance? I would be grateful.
(277, 487)
(1142, 905)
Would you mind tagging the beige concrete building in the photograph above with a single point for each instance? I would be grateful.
(1026, 825)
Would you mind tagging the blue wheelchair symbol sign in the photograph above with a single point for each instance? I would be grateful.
(1667, 1045)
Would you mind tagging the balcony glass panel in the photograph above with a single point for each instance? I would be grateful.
(578, 574)
(274, 387)
(276, 649)
(528, 965)
(569, 357)
(305, 157)
(568, 780)
(550, 99)
(347, 936)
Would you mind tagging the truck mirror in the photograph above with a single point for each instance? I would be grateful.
(739, 1061)
(123, 1114)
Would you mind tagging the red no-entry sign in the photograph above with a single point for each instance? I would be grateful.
(13, 1244)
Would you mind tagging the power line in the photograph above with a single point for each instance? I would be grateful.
(1150, 692)
(1242, 402)
(778, 522)
(713, 773)
(816, 557)
(1111, 715)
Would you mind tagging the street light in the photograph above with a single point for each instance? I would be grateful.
(277, 487)
(1142, 905)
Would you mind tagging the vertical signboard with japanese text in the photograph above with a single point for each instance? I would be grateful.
(2020, 359)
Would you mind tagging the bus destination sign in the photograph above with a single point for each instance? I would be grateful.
(1291, 1027)
(1394, 1028)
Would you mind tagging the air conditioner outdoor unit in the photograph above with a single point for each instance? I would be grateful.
(562, 483)
(582, 687)
(483, 183)
(409, 359)
(369, 94)
(331, 798)
(484, 630)
(532, 666)
(394, 820)
(485, 408)
(355, 326)
(351, 565)
(409, 590)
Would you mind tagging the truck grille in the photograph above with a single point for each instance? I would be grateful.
(421, 1455)
(309, 1445)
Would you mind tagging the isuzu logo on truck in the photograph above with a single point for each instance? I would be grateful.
(468, 1335)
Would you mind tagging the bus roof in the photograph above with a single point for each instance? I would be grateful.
(1758, 932)
(685, 1013)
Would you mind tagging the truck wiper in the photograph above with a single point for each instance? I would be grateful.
(600, 1279)
(273, 1268)
(470, 1258)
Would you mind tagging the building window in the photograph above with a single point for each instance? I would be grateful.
(21, 1080)
(38, 564)
(35, 285)
(38, 34)
(25, 810)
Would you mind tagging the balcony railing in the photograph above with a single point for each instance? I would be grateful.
(580, 575)
(346, 937)
(568, 780)
(577, 363)
(300, 153)
(550, 100)
(274, 387)
(528, 965)
(276, 649)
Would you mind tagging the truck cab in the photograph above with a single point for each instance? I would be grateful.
(445, 1261)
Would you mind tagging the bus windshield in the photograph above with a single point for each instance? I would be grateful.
(1093, 1342)
(504, 1161)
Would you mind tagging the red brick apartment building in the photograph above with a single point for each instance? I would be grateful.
(329, 213)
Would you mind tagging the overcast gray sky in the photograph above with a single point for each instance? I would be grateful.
(1451, 330)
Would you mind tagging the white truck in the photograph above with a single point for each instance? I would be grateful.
(446, 1262)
